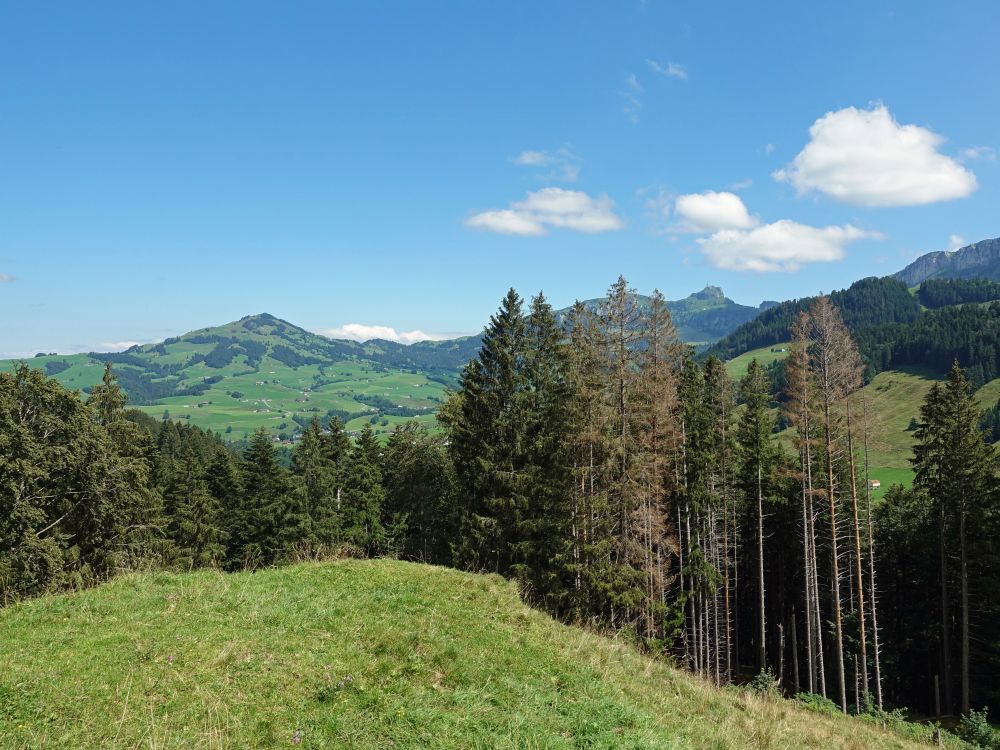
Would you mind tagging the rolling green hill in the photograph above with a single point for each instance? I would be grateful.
(362, 654)
(261, 371)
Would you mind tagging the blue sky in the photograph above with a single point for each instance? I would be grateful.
(169, 166)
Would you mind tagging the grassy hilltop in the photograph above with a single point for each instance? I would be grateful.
(360, 654)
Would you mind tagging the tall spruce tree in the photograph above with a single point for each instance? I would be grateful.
(542, 552)
(257, 516)
(194, 524)
(758, 462)
(957, 469)
(363, 496)
(486, 442)
(316, 467)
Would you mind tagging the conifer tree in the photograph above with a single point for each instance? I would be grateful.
(590, 529)
(419, 495)
(956, 468)
(542, 552)
(486, 442)
(719, 398)
(257, 517)
(758, 461)
(363, 496)
(836, 368)
(316, 471)
(194, 525)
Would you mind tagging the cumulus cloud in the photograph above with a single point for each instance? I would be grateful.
(550, 207)
(782, 246)
(668, 69)
(955, 241)
(5, 278)
(562, 164)
(711, 212)
(362, 332)
(866, 158)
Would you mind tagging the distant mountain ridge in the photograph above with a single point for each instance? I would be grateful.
(262, 371)
(978, 260)
(700, 318)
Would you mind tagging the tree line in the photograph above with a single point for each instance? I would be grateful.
(623, 483)
(89, 488)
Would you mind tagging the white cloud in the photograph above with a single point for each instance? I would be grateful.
(633, 105)
(668, 69)
(782, 246)
(711, 212)
(564, 164)
(362, 332)
(769, 148)
(865, 157)
(533, 159)
(955, 241)
(986, 153)
(550, 207)
(117, 346)
(5, 278)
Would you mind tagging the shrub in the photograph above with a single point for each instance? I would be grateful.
(817, 702)
(976, 730)
(764, 683)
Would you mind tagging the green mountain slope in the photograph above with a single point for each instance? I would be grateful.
(360, 654)
(261, 371)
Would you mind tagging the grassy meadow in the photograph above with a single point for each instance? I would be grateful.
(362, 654)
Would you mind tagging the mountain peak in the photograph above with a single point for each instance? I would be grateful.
(710, 292)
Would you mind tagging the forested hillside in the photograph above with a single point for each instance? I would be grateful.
(622, 484)
(894, 329)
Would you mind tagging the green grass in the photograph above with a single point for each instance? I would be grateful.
(736, 367)
(360, 654)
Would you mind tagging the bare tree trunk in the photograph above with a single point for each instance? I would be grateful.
(807, 580)
(680, 548)
(761, 648)
(834, 562)
(818, 621)
(871, 560)
(945, 628)
(965, 608)
(858, 574)
(795, 653)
